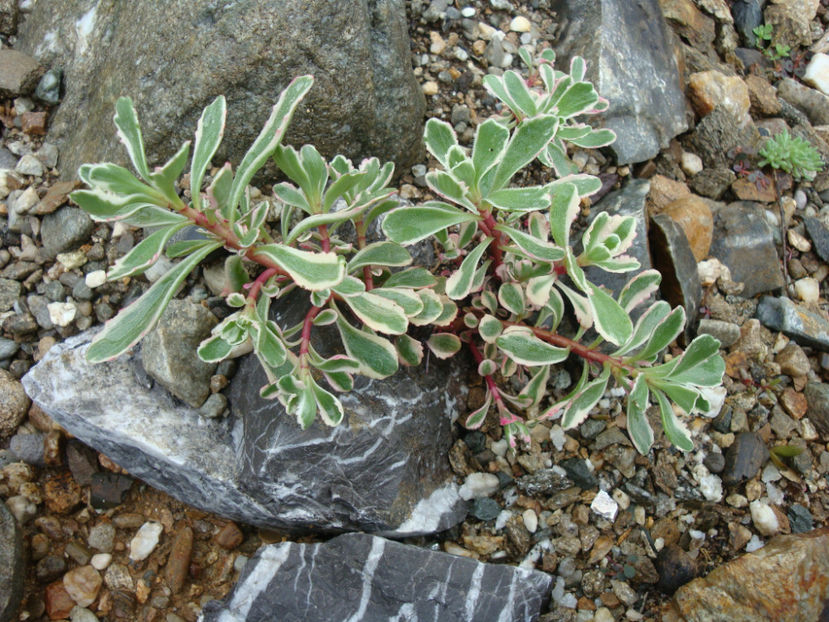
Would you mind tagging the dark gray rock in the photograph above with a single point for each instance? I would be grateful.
(363, 577)
(673, 257)
(108, 490)
(19, 73)
(714, 462)
(365, 101)
(631, 61)
(7, 159)
(580, 472)
(800, 519)
(629, 201)
(64, 230)
(12, 566)
(9, 293)
(168, 352)
(384, 469)
(747, 14)
(544, 482)
(795, 321)
(811, 102)
(726, 332)
(485, 509)
(675, 568)
(28, 447)
(48, 89)
(820, 237)
(712, 182)
(817, 396)
(744, 241)
(744, 458)
(39, 307)
(716, 134)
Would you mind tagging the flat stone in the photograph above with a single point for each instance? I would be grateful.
(817, 396)
(65, 230)
(544, 482)
(363, 577)
(806, 327)
(811, 102)
(178, 563)
(9, 293)
(709, 89)
(366, 101)
(744, 241)
(693, 215)
(673, 257)
(12, 565)
(791, 21)
(55, 196)
(169, 351)
(713, 182)
(631, 61)
(744, 458)
(763, 96)
(752, 587)
(719, 132)
(108, 490)
(19, 73)
(819, 234)
(247, 478)
(726, 332)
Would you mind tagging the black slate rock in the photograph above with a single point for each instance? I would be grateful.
(800, 519)
(820, 237)
(744, 458)
(109, 489)
(806, 327)
(485, 509)
(359, 577)
(581, 474)
(675, 568)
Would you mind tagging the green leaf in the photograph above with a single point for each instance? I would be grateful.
(459, 284)
(595, 139)
(153, 216)
(684, 397)
(448, 187)
(585, 184)
(637, 421)
(350, 286)
(439, 138)
(534, 247)
(288, 194)
(675, 430)
(538, 289)
(432, 308)
(413, 277)
(639, 289)
(380, 254)
(377, 357)
(525, 199)
(487, 367)
(304, 407)
(313, 271)
(379, 313)
(563, 211)
(106, 206)
(219, 190)
(520, 94)
(556, 157)
(536, 388)
(325, 317)
(511, 297)
(524, 348)
(268, 345)
(581, 405)
(165, 179)
(495, 85)
(134, 321)
(490, 142)
(663, 334)
(444, 345)
(475, 419)
(610, 320)
(645, 326)
(329, 407)
(130, 134)
(700, 364)
(339, 188)
(214, 349)
(489, 328)
(314, 165)
(407, 225)
(180, 248)
(409, 350)
(270, 136)
(407, 299)
(336, 363)
(289, 162)
(209, 132)
(528, 139)
(577, 99)
(144, 254)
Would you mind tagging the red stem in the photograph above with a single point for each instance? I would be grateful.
(260, 281)
(306, 335)
(490, 382)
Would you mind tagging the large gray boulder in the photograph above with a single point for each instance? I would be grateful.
(363, 578)
(384, 470)
(12, 568)
(174, 57)
(630, 59)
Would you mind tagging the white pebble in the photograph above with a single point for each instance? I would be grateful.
(499, 448)
(461, 54)
(771, 473)
(817, 73)
(621, 497)
(21, 508)
(520, 23)
(145, 541)
(736, 500)
(72, 259)
(603, 614)
(468, 11)
(100, 561)
(96, 278)
(754, 544)
(798, 241)
(764, 518)
(558, 437)
(82, 614)
(26, 201)
(119, 229)
(709, 485)
(808, 289)
(485, 31)
(479, 485)
(29, 165)
(604, 505)
(691, 163)
(530, 520)
(62, 313)
(776, 496)
(710, 270)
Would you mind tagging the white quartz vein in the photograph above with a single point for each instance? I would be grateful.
(377, 546)
(474, 592)
(271, 559)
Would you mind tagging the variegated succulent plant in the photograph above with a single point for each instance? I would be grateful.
(509, 270)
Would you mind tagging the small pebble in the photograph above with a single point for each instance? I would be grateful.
(145, 541)
(82, 584)
(764, 518)
(62, 313)
(478, 485)
(808, 289)
(691, 163)
(520, 23)
(96, 278)
(530, 520)
(29, 165)
(604, 505)
(100, 561)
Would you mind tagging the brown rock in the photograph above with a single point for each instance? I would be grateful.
(794, 403)
(58, 601)
(793, 360)
(675, 568)
(179, 561)
(54, 197)
(738, 536)
(689, 22)
(664, 191)
(763, 96)
(693, 215)
(747, 190)
(41, 421)
(791, 20)
(33, 123)
(82, 584)
(13, 402)
(784, 581)
(19, 73)
(709, 89)
(585, 604)
(52, 445)
(230, 536)
(61, 493)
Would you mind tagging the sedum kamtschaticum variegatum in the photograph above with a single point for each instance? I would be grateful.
(510, 271)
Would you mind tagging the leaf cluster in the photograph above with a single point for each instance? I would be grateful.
(791, 154)
(511, 271)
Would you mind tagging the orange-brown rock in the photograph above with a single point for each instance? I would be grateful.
(786, 580)
(694, 216)
(179, 561)
(58, 601)
(664, 191)
(709, 89)
(763, 96)
(689, 22)
(747, 190)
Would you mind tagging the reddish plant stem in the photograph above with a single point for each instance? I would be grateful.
(495, 247)
(306, 335)
(325, 239)
(260, 281)
(490, 381)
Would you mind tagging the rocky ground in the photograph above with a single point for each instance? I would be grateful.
(91, 532)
